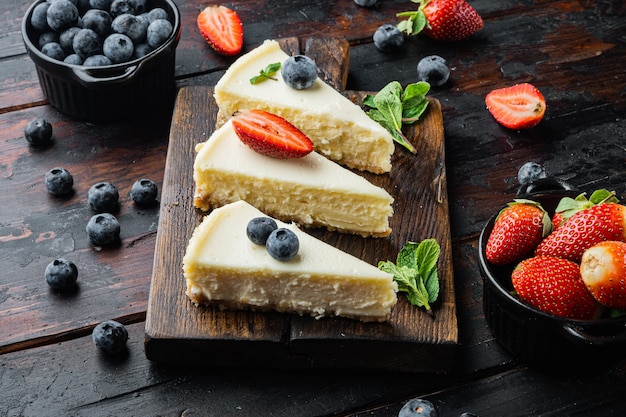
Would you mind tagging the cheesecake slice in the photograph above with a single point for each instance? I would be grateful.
(339, 129)
(223, 267)
(311, 191)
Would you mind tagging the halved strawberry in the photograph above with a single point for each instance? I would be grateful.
(603, 270)
(222, 29)
(270, 134)
(520, 106)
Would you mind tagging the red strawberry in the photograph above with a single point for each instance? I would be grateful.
(517, 231)
(568, 206)
(554, 286)
(444, 20)
(583, 230)
(520, 106)
(603, 270)
(222, 29)
(270, 134)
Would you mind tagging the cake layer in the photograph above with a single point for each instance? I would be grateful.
(312, 191)
(222, 266)
(339, 128)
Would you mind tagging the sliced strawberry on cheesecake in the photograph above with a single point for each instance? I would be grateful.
(520, 106)
(222, 29)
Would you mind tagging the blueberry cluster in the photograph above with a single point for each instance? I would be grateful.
(99, 32)
(282, 244)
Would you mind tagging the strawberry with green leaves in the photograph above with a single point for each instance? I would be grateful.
(222, 29)
(444, 20)
(554, 285)
(603, 270)
(520, 106)
(568, 206)
(584, 229)
(270, 134)
(517, 231)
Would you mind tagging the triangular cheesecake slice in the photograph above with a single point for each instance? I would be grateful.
(223, 267)
(311, 191)
(339, 129)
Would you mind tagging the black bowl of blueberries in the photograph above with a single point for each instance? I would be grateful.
(104, 60)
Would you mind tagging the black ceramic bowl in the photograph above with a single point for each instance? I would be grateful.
(537, 338)
(114, 92)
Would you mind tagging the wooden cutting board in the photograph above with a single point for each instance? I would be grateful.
(412, 340)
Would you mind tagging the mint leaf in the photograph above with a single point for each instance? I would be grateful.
(388, 102)
(414, 101)
(266, 73)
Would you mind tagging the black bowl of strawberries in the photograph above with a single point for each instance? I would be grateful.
(554, 268)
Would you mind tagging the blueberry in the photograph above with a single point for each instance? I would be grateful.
(100, 4)
(97, 61)
(38, 132)
(434, 70)
(388, 38)
(103, 197)
(62, 14)
(141, 50)
(365, 3)
(54, 51)
(144, 192)
(299, 72)
(110, 337)
(282, 244)
(58, 181)
(530, 171)
(156, 14)
(67, 37)
(139, 6)
(73, 59)
(86, 42)
(61, 274)
(39, 19)
(158, 32)
(118, 48)
(119, 7)
(99, 21)
(48, 37)
(259, 229)
(418, 407)
(132, 26)
(103, 229)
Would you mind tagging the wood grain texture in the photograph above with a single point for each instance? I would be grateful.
(412, 340)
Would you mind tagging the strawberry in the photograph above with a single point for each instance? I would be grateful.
(603, 270)
(222, 29)
(568, 206)
(517, 231)
(554, 285)
(444, 20)
(270, 134)
(584, 229)
(520, 106)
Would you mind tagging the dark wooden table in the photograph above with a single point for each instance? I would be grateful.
(573, 51)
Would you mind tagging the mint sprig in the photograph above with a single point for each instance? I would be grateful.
(266, 73)
(415, 272)
(394, 107)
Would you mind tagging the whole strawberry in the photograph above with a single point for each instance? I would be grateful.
(568, 206)
(517, 231)
(603, 270)
(444, 20)
(554, 285)
(584, 229)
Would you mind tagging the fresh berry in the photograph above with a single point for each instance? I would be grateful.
(520, 106)
(48, 37)
(103, 229)
(259, 229)
(158, 32)
(282, 244)
(444, 20)
(554, 285)
(141, 50)
(418, 407)
(517, 231)
(38, 18)
(118, 48)
(61, 274)
(270, 134)
(584, 229)
(365, 3)
(103, 197)
(299, 72)
(100, 4)
(144, 192)
(132, 26)
(58, 181)
(388, 38)
(38, 132)
(73, 59)
(433, 70)
(110, 337)
(222, 29)
(61, 15)
(120, 7)
(54, 51)
(156, 14)
(530, 171)
(86, 43)
(140, 7)
(603, 270)
(66, 38)
(568, 206)
(97, 61)
(97, 20)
